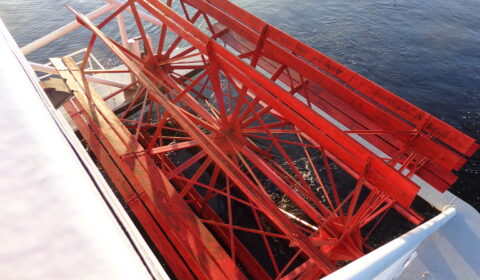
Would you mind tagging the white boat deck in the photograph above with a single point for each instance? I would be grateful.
(58, 217)
(446, 247)
(453, 252)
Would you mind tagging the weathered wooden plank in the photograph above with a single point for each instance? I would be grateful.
(198, 247)
(128, 193)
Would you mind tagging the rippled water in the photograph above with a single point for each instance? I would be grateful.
(427, 52)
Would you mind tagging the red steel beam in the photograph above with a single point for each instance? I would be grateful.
(273, 50)
(436, 175)
(439, 129)
(189, 32)
(390, 123)
(215, 153)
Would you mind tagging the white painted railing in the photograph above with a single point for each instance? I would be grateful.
(66, 29)
(388, 261)
(49, 69)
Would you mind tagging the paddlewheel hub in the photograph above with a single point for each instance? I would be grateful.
(227, 134)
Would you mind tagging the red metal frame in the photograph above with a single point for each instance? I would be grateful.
(236, 122)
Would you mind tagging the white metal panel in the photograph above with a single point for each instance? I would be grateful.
(54, 224)
(454, 251)
(387, 261)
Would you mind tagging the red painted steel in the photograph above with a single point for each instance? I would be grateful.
(268, 141)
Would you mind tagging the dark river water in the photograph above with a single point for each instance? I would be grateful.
(427, 52)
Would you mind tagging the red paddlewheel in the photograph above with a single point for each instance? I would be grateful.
(288, 158)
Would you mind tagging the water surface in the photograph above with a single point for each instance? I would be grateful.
(427, 52)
